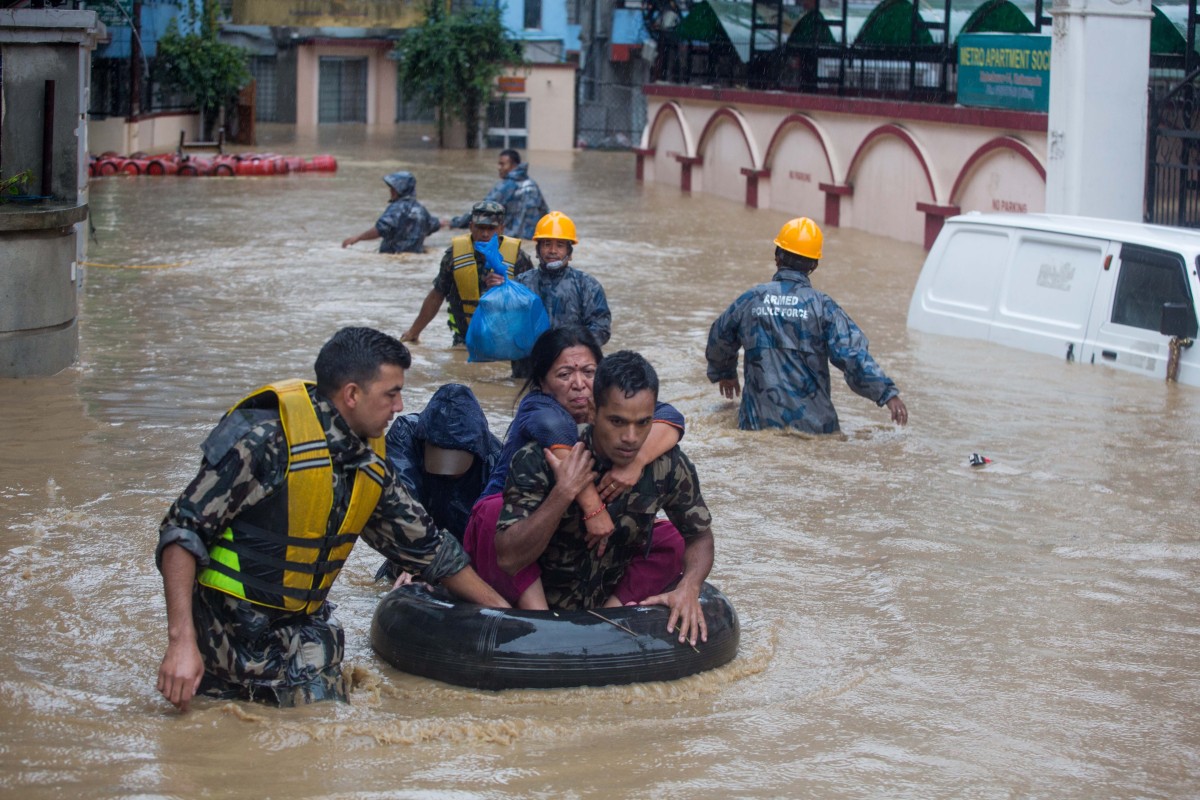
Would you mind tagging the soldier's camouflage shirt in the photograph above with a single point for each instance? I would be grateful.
(572, 576)
(444, 283)
(791, 333)
(245, 460)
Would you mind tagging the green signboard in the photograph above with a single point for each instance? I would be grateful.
(113, 13)
(1004, 70)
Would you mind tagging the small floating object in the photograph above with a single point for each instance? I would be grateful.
(978, 460)
(427, 632)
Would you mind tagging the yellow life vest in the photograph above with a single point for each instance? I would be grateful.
(466, 270)
(278, 553)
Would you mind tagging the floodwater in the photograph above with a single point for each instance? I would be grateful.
(912, 627)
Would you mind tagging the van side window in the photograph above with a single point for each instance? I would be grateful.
(1148, 278)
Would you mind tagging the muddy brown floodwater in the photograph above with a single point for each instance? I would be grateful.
(911, 627)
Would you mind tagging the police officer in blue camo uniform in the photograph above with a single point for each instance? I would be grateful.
(405, 223)
(518, 193)
(791, 333)
(572, 298)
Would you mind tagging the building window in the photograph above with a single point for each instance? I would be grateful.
(533, 14)
(342, 93)
(263, 68)
(507, 124)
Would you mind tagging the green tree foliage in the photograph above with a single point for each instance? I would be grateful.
(196, 63)
(450, 63)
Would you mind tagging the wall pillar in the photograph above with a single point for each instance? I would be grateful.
(752, 177)
(685, 170)
(1096, 142)
(935, 218)
(833, 202)
(642, 154)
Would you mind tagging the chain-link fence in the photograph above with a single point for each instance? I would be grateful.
(609, 115)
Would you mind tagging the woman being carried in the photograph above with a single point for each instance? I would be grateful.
(554, 400)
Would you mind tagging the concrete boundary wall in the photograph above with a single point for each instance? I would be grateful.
(892, 168)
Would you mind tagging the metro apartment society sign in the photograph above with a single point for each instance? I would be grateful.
(1004, 70)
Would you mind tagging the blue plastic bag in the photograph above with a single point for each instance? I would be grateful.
(506, 323)
(492, 260)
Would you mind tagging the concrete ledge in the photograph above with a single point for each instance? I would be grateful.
(50, 25)
(16, 217)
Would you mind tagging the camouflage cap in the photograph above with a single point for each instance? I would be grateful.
(487, 212)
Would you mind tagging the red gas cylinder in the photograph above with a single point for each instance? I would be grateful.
(224, 167)
(109, 166)
(196, 166)
(324, 163)
(134, 166)
(280, 165)
(294, 164)
(160, 165)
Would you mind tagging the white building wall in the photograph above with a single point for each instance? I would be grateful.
(861, 164)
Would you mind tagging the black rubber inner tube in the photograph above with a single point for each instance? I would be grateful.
(427, 632)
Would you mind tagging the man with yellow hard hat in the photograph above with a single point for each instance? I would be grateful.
(791, 333)
(571, 297)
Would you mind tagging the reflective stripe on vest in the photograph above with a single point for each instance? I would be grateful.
(301, 580)
(466, 270)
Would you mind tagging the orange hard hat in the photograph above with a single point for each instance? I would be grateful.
(802, 237)
(556, 225)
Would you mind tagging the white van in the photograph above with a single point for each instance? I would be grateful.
(1092, 290)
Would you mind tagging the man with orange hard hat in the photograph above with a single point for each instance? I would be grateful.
(571, 297)
(791, 333)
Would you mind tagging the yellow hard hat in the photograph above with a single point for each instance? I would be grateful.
(802, 237)
(556, 225)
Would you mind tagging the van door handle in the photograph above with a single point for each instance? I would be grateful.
(1109, 354)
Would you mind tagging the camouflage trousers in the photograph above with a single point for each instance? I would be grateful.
(255, 653)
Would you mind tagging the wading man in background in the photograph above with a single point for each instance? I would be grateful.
(404, 224)
(518, 194)
(291, 477)
(791, 333)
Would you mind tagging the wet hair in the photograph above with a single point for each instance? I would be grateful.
(627, 372)
(512, 155)
(537, 247)
(789, 260)
(354, 355)
(549, 347)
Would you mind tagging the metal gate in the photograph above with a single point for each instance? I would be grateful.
(1173, 156)
(609, 115)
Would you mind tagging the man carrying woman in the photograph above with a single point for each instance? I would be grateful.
(557, 397)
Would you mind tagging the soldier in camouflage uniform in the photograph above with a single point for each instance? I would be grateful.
(791, 333)
(541, 522)
(464, 264)
(290, 478)
(517, 193)
(405, 223)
